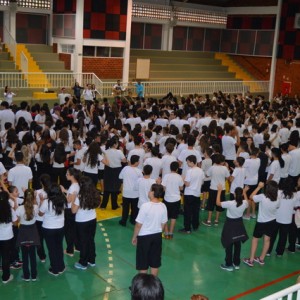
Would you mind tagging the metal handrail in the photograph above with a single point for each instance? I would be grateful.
(24, 62)
(287, 293)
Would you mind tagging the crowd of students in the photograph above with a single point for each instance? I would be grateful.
(53, 159)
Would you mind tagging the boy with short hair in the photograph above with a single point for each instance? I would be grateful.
(130, 175)
(172, 184)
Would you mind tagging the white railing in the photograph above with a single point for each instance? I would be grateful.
(181, 88)
(290, 293)
(24, 63)
(10, 43)
(48, 80)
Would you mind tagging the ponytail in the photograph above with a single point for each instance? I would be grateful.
(239, 196)
(28, 204)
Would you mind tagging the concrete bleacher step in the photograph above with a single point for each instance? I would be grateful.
(39, 48)
(7, 64)
(51, 65)
(186, 67)
(159, 53)
(5, 56)
(181, 60)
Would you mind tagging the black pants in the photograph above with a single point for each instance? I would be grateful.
(114, 198)
(5, 254)
(132, 204)
(191, 207)
(94, 177)
(60, 173)
(283, 230)
(86, 236)
(294, 235)
(70, 231)
(40, 249)
(15, 250)
(54, 241)
(29, 255)
(233, 254)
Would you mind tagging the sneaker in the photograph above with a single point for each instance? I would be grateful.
(62, 271)
(25, 279)
(165, 236)
(253, 216)
(79, 266)
(278, 255)
(236, 267)
(92, 264)
(216, 223)
(170, 236)
(15, 266)
(76, 250)
(226, 268)
(11, 277)
(68, 253)
(20, 262)
(183, 230)
(52, 273)
(259, 261)
(43, 260)
(248, 262)
(290, 251)
(33, 279)
(268, 254)
(246, 217)
(206, 223)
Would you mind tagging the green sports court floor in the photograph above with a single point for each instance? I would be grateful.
(190, 266)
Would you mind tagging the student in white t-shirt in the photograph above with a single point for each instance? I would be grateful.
(229, 142)
(218, 173)
(130, 175)
(274, 171)
(234, 232)
(52, 209)
(155, 162)
(7, 218)
(147, 235)
(138, 150)
(73, 176)
(284, 216)
(266, 220)
(28, 237)
(205, 165)
(167, 159)
(237, 177)
(144, 185)
(193, 181)
(173, 184)
(84, 205)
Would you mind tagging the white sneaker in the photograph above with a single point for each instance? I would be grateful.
(11, 277)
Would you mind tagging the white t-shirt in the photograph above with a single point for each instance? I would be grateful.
(166, 161)
(245, 155)
(2, 169)
(73, 189)
(139, 152)
(234, 212)
(284, 172)
(152, 216)
(7, 116)
(195, 177)
(239, 178)
(38, 201)
(294, 169)
(79, 154)
(228, 144)
(218, 176)
(84, 215)
(274, 169)
(172, 183)
(156, 165)
(284, 213)
(130, 176)
(267, 209)
(114, 157)
(51, 220)
(19, 176)
(144, 187)
(6, 231)
(25, 114)
(184, 154)
(20, 212)
(251, 166)
(88, 168)
(284, 134)
(62, 97)
(205, 165)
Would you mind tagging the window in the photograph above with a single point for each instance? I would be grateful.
(102, 51)
(65, 48)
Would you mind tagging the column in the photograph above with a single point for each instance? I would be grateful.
(127, 43)
(13, 7)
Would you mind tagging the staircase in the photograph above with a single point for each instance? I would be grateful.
(181, 66)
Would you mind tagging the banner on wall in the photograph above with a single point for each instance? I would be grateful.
(286, 87)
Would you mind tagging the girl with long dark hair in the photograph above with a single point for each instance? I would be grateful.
(112, 183)
(276, 165)
(28, 237)
(52, 209)
(92, 157)
(73, 176)
(58, 168)
(234, 232)
(7, 218)
(84, 206)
